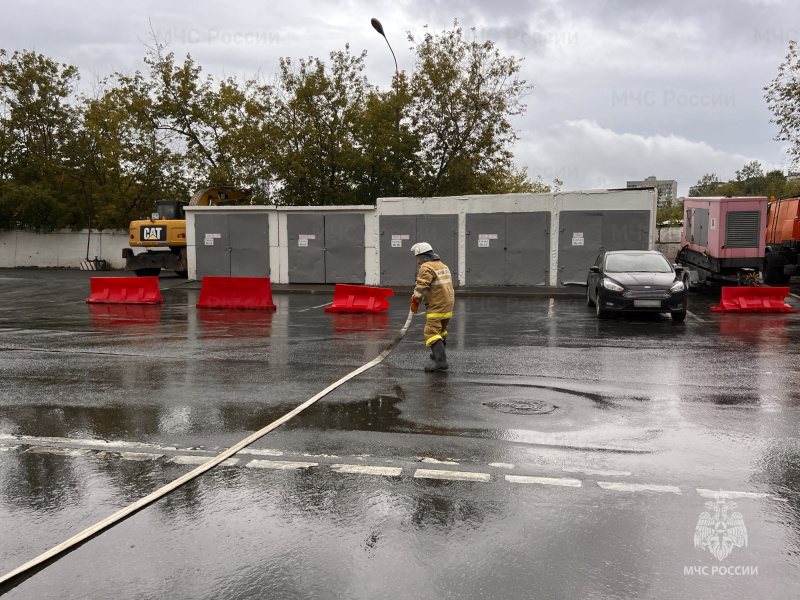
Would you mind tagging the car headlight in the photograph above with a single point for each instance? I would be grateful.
(614, 287)
(677, 287)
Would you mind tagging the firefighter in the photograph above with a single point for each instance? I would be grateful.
(434, 286)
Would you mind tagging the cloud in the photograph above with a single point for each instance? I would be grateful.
(585, 155)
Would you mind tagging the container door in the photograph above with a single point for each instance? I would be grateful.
(441, 232)
(527, 254)
(580, 240)
(701, 226)
(306, 248)
(249, 234)
(212, 245)
(485, 252)
(627, 230)
(344, 249)
(398, 233)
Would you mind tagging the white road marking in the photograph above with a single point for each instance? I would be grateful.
(562, 481)
(58, 451)
(280, 464)
(729, 494)
(139, 456)
(694, 316)
(7, 448)
(502, 465)
(638, 487)
(597, 472)
(368, 470)
(259, 452)
(451, 475)
(794, 296)
(425, 459)
(201, 460)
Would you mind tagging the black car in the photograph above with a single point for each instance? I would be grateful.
(633, 281)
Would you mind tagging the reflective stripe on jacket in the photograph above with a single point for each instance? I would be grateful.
(435, 287)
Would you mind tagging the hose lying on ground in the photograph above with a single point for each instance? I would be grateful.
(16, 576)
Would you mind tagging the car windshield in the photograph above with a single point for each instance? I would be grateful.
(646, 263)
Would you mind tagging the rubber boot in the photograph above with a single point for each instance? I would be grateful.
(439, 357)
(444, 341)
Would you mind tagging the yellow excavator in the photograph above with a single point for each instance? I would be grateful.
(163, 235)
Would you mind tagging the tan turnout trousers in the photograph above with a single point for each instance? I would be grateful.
(435, 288)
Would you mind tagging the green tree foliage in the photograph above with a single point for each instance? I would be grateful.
(319, 134)
(707, 185)
(38, 127)
(463, 94)
(751, 180)
(783, 100)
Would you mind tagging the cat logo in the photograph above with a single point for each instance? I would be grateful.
(154, 234)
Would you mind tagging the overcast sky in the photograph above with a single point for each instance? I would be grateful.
(622, 89)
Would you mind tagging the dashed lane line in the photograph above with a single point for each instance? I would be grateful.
(364, 469)
(561, 481)
(368, 470)
(729, 494)
(451, 475)
(598, 472)
(638, 487)
(201, 460)
(285, 465)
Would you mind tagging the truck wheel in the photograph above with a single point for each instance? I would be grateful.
(773, 269)
(148, 272)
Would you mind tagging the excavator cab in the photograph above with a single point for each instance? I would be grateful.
(170, 209)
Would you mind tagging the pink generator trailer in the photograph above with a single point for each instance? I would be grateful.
(722, 240)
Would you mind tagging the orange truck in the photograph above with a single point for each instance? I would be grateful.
(782, 240)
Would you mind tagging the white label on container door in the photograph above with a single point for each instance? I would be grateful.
(487, 236)
(713, 223)
(307, 237)
(401, 236)
(397, 243)
(209, 236)
(577, 241)
(209, 241)
(577, 235)
(216, 236)
(483, 243)
(302, 242)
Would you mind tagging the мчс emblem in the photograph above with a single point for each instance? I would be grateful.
(718, 531)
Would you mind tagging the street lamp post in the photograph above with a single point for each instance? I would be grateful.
(379, 28)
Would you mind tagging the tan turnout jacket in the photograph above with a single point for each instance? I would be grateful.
(435, 287)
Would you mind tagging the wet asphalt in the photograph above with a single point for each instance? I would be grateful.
(560, 457)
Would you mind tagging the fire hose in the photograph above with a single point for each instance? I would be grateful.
(18, 575)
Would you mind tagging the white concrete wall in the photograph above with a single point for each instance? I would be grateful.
(65, 249)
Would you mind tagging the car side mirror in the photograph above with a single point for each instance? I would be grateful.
(594, 269)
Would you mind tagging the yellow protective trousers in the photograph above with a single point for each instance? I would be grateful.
(435, 330)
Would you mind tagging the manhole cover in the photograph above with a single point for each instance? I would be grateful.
(522, 408)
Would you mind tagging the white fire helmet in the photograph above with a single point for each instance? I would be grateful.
(421, 248)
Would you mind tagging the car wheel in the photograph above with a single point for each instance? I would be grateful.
(601, 314)
(589, 301)
(679, 317)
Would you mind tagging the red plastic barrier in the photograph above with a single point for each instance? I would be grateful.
(359, 298)
(236, 292)
(754, 299)
(125, 290)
